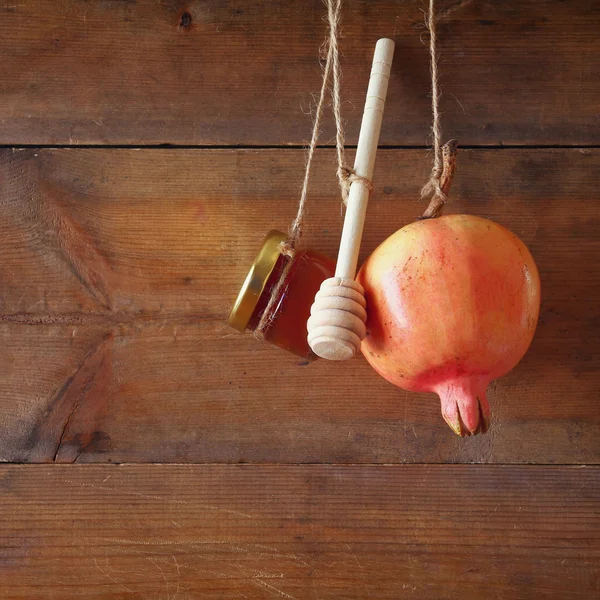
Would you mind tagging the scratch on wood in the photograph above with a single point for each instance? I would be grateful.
(315, 589)
(39, 301)
(161, 498)
(124, 587)
(151, 560)
(275, 590)
(177, 565)
(354, 556)
(231, 546)
(256, 574)
(160, 558)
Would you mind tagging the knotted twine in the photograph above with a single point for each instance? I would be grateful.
(444, 161)
(346, 175)
(444, 157)
(332, 75)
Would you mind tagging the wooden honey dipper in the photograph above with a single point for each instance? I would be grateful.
(338, 315)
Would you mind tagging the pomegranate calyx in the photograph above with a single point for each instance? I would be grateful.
(464, 406)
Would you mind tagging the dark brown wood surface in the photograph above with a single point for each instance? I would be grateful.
(121, 267)
(244, 72)
(118, 267)
(300, 532)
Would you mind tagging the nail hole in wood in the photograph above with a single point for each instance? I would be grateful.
(186, 20)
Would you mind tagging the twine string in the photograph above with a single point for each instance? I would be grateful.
(433, 187)
(332, 77)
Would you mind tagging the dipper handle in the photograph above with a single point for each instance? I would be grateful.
(364, 162)
(337, 323)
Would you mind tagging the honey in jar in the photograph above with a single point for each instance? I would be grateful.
(285, 326)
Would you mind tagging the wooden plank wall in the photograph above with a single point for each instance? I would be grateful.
(124, 265)
(120, 258)
(320, 531)
(242, 72)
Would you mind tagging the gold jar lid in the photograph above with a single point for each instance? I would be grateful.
(256, 280)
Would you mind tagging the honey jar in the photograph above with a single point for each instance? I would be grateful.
(285, 326)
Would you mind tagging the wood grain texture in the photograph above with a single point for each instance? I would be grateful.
(412, 531)
(243, 72)
(118, 269)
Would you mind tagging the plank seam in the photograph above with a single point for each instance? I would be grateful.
(286, 147)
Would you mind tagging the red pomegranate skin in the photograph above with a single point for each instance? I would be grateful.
(452, 303)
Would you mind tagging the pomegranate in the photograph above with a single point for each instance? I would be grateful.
(452, 304)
